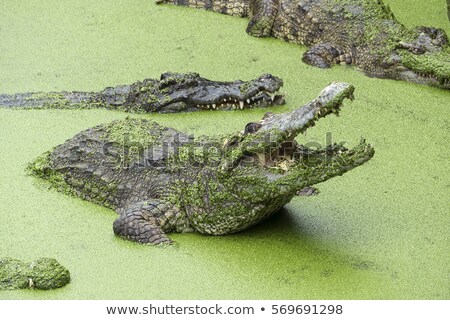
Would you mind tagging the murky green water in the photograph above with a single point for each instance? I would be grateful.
(379, 232)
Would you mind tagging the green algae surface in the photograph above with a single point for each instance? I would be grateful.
(379, 232)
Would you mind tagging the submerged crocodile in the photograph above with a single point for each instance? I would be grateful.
(174, 92)
(161, 180)
(363, 33)
(44, 274)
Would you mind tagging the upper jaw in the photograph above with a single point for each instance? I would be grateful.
(236, 102)
(260, 92)
(291, 124)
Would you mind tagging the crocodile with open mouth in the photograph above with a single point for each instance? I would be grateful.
(161, 180)
(173, 92)
(363, 33)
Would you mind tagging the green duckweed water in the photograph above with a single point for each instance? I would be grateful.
(379, 232)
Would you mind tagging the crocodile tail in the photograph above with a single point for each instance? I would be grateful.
(58, 100)
(109, 98)
(230, 7)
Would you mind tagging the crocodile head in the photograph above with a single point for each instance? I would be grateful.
(424, 59)
(191, 92)
(265, 167)
(270, 143)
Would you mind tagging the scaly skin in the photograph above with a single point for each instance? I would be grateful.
(44, 274)
(160, 180)
(174, 92)
(363, 33)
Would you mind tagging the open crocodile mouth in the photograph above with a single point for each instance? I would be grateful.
(293, 155)
(289, 153)
(261, 99)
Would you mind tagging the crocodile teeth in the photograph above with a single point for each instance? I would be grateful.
(272, 96)
(241, 104)
(248, 101)
(214, 105)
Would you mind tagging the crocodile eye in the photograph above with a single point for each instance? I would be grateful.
(252, 127)
(268, 115)
(167, 75)
(266, 76)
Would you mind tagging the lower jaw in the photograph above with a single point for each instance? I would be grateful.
(424, 80)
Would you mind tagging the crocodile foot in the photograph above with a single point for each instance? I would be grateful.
(147, 222)
(324, 55)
